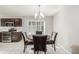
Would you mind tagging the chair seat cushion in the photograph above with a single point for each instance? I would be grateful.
(50, 42)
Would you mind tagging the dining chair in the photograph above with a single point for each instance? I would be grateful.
(38, 32)
(39, 43)
(53, 39)
(23, 35)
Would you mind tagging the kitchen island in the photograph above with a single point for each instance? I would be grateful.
(14, 45)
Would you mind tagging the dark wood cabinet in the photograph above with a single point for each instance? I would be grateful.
(15, 36)
(17, 22)
(0, 36)
(6, 37)
(14, 22)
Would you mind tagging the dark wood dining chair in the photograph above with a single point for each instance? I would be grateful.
(54, 36)
(24, 41)
(39, 43)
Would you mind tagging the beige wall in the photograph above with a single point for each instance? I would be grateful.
(49, 24)
(66, 23)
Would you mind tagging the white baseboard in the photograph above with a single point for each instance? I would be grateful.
(64, 49)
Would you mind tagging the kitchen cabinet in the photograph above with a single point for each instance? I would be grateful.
(11, 22)
(10, 37)
(16, 36)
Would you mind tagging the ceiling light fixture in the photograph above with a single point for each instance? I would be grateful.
(39, 15)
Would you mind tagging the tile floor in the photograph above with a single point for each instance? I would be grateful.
(50, 50)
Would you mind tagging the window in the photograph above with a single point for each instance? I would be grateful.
(35, 25)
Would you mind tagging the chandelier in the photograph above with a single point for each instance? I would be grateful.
(39, 15)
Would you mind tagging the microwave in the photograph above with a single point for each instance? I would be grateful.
(9, 23)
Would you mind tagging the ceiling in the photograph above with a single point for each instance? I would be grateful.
(28, 10)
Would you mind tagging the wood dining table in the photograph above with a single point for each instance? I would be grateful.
(30, 39)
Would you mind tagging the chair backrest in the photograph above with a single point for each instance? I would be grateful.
(23, 37)
(38, 32)
(39, 42)
(54, 36)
